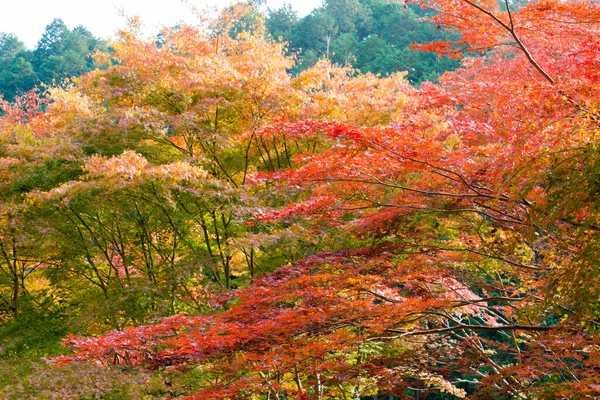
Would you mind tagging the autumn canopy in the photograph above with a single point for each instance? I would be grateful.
(329, 235)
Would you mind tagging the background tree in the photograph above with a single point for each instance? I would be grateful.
(280, 22)
(62, 53)
(371, 35)
(17, 75)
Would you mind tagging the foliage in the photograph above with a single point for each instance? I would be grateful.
(15, 63)
(83, 381)
(371, 35)
(329, 235)
(60, 54)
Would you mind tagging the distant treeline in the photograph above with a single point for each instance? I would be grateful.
(60, 53)
(370, 35)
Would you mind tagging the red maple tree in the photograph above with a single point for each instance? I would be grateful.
(473, 220)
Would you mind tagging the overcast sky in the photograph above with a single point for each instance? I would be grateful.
(28, 18)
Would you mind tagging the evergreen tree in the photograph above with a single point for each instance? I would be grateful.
(281, 22)
(16, 71)
(62, 53)
(371, 35)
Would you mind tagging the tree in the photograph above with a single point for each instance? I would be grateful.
(125, 247)
(19, 258)
(17, 74)
(315, 32)
(474, 218)
(62, 53)
(129, 233)
(350, 32)
(281, 22)
(350, 16)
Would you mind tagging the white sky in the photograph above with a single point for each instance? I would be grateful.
(28, 18)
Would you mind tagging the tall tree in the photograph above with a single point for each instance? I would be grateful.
(281, 22)
(62, 53)
(16, 72)
(350, 16)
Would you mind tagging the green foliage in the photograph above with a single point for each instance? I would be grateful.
(61, 53)
(281, 22)
(37, 330)
(16, 71)
(46, 176)
(371, 35)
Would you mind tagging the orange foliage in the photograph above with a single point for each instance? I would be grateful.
(472, 207)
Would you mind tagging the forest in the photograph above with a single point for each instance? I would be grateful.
(370, 35)
(240, 210)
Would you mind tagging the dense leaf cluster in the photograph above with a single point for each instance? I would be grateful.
(61, 53)
(198, 221)
(371, 35)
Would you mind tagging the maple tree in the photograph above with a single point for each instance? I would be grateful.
(30, 157)
(437, 240)
(194, 101)
(128, 229)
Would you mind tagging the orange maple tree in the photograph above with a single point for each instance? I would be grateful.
(472, 266)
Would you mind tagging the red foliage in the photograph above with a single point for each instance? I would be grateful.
(486, 222)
